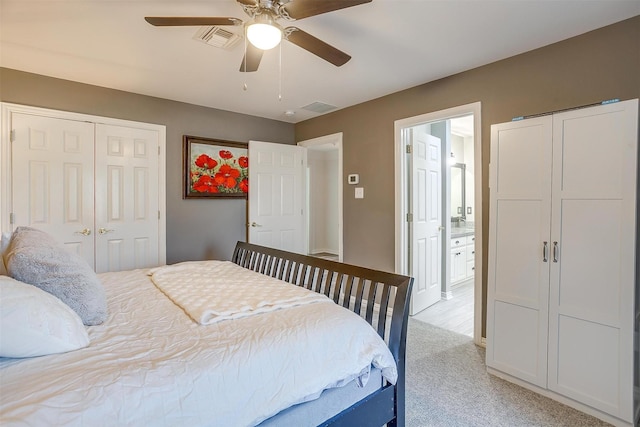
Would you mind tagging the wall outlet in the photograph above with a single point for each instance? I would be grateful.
(469, 210)
(359, 193)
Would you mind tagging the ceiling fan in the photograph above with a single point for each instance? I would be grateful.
(263, 31)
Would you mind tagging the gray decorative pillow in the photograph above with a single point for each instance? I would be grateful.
(34, 257)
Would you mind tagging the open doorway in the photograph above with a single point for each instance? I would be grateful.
(436, 198)
(324, 196)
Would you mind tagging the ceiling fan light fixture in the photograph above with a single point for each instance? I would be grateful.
(263, 32)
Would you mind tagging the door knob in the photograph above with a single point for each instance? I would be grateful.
(102, 230)
(440, 228)
(255, 224)
(86, 232)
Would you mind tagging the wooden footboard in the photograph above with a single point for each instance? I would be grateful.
(381, 298)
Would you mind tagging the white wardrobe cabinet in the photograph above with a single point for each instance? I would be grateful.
(95, 184)
(562, 250)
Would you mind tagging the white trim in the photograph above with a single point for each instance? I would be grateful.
(7, 109)
(336, 140)
(400, 199)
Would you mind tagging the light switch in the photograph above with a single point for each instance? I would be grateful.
(359, 193)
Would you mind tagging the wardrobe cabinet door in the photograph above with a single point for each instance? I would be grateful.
(517, 306)
(593, 256)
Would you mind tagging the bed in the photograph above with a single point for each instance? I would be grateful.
(153, 361)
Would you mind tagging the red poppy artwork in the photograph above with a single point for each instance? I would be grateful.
(215, 168)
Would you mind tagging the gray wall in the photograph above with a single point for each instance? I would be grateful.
(196, 229)
(592, 67)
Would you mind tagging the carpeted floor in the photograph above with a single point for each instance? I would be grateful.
(448, 386)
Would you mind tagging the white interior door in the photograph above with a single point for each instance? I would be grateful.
(425, 204)
(126, 203)
(52, 179)
(276, 214)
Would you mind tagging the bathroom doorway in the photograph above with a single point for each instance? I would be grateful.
(324, 196)
(452, 259)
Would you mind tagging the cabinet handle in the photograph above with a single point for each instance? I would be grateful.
(458, 253)
(555, 251)
(545, 252)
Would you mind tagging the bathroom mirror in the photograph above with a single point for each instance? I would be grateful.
(458, 208)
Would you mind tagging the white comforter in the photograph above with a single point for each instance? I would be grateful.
(213, 291)
(151, 365)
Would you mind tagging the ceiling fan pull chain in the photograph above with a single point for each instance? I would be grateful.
(244, 61)
(280, 75)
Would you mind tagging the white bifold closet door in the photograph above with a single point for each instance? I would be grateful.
(126, 198)
(93, 187)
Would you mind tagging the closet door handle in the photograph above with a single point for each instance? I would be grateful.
(545, 251)
(85, 232)
(555, 251)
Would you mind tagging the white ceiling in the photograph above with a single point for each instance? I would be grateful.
(395, 45)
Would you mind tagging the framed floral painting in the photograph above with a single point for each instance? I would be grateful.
(215, 168)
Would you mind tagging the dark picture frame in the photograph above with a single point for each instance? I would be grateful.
(214, 168)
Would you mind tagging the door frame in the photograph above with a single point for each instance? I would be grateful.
(334, 139)
(7, 109)
(401, 232)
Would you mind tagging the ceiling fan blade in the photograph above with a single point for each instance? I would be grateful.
(316, 46)
(252, 59)
(298, 9)
(176, 21)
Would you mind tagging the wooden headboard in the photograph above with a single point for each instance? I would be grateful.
(381, 298)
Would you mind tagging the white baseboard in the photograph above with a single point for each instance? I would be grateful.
(322, 250)
(447, 295)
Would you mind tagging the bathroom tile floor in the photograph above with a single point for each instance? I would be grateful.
(455, 314)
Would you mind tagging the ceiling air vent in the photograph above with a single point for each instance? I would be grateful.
(218, 37)
(319, 107)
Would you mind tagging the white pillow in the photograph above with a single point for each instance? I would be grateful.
(4, 244)
(35, 323)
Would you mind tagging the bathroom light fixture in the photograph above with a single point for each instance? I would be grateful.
(263, 32)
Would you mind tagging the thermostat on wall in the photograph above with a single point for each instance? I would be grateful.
(353, 178)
